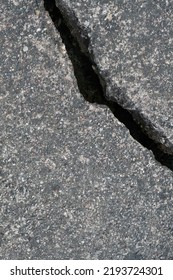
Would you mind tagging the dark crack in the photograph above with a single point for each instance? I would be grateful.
(92, 87)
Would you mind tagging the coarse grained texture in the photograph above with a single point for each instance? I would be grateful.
(131, 42)
(74, 184)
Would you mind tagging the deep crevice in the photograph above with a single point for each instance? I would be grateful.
(90, 86)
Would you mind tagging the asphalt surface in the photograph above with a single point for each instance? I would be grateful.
(74, 183)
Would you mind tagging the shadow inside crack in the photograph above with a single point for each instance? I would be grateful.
(90, 86)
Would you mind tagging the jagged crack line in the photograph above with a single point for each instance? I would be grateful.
(92, 88)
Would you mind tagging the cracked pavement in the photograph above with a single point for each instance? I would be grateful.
(74, 183)
(131, 45)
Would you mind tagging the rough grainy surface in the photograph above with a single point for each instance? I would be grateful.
(131, 43)
(74, 184)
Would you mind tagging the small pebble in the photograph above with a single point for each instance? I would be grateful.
(25, 48)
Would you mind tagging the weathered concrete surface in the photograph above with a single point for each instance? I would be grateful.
(74, 184)
(131, 43)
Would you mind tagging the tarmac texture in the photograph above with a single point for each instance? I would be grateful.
(74, 182)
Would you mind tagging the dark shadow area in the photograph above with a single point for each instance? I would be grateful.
(92, 90)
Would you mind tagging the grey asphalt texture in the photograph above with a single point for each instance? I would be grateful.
(74, 183)
(131, 44)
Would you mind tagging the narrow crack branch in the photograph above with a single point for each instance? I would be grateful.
(92, 90)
